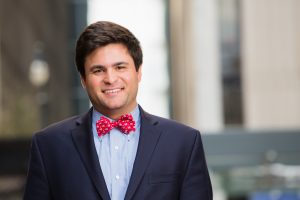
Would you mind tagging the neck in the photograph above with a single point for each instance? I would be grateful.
(115, 113)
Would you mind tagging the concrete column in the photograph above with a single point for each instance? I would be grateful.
(182, 71)
(271, 63)
(195, 68)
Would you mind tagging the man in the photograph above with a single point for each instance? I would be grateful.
(116, 150)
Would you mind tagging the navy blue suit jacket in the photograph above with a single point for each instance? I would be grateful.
(169, 164)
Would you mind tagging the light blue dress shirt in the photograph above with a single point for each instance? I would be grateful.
(116, 152)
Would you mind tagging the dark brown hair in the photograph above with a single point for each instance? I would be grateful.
(102, 33)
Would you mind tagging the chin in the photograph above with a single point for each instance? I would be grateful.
(115, 106)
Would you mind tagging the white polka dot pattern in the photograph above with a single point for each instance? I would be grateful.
(125, 124)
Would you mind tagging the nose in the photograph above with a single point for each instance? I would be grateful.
(110, 77)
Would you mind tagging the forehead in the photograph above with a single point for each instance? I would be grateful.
(111, 48)
(109, 53)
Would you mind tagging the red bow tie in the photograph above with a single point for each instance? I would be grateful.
(125, 124)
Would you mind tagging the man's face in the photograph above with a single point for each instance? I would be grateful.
(111, 80)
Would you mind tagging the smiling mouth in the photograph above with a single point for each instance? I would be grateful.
(112, 91)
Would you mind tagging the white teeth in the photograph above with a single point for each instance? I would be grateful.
(112, 91)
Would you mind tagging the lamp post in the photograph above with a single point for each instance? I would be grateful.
(39, 75)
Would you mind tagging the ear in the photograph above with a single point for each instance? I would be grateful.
(140, 73)
(82, 80)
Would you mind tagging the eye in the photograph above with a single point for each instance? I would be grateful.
(96, 70)
(120, 67)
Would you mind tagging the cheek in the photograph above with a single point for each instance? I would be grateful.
(133, 82)
(93, 83)
(126, 77)
(131, 78)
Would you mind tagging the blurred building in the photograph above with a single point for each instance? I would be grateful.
(241, 63)
(37, 84)
(235, 76)
(38, 80)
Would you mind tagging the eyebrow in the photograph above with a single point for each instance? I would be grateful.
(96, 67)
(120, 63)
(102, 66)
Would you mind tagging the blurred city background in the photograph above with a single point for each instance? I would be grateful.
(230, 68)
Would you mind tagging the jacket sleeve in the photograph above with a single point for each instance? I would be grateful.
(37, 186)
(196, 181)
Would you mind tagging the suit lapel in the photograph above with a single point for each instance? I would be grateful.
(149, 136)
(83, 139)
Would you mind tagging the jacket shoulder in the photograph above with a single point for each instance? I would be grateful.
(60, 127)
